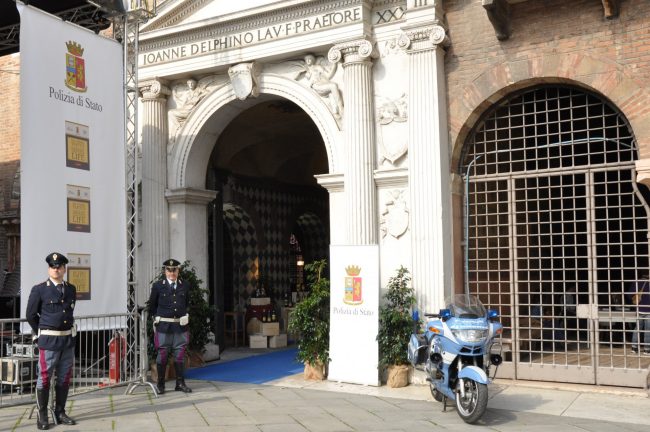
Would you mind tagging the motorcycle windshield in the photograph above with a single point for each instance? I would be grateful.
(466, 306)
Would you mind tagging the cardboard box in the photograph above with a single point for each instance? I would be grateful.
(17, 370)
(278, 341)
(271, 328)
(260, 301)
(259, 341)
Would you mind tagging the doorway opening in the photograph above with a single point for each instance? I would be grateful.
(269, 215)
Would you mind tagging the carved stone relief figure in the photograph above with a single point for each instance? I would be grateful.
(392, 129)
(388, 48)
(319, 71)
(316, 73)
(395, 216)
(187, 94)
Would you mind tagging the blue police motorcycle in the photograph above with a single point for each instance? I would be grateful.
(456, 350)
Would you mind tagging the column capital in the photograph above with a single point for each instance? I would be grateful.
(423, 38)
(356, 51)
(155, 88)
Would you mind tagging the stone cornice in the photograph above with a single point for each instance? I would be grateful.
(177, 14)
(190, 196)
(222, 27)
(331, 182)
(154, 89)
(423, 38)
(351, 52)
(396, 177)
(380, 4)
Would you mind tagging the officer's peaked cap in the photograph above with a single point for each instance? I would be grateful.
(171, 263)
(56, 259)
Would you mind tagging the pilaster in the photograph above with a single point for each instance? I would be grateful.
(359, 133)
(188, 226)
(429, 177)
(154, 216)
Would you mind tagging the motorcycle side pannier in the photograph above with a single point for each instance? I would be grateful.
(417, 349)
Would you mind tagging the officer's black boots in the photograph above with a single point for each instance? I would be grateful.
(161, 378)
(42, 396)
(180, 379)
(59, 409)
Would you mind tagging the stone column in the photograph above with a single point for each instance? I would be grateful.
(429, 177)
(359, 133)
(154, 232)
(188, 227)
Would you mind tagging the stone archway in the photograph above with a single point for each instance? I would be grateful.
(214, 113)
(188, 159)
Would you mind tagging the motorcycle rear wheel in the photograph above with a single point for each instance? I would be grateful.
(472, 406)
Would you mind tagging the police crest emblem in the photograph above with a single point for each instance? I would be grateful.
(353, 293)
(75, 67)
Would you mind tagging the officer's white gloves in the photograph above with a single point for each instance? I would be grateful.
(185, 320)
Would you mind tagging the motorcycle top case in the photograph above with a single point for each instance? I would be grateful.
(417, 349)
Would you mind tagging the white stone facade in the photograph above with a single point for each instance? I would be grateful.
(370, 75)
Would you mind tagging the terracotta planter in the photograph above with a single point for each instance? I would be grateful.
(314, 372)
(398, 376)
(194, 359)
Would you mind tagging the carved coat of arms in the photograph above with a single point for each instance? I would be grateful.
(392, 129)
(243, 78)
(395, 217)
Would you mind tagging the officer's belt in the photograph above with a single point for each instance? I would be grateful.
(176, 320)
(44, 332)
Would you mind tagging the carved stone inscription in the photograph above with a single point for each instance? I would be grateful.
(223, 42)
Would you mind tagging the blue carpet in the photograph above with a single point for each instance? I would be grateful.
(257, 369)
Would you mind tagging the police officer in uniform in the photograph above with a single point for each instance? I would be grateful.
(49, 313)
(168, 303)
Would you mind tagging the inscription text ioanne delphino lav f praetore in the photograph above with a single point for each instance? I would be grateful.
(241, 39)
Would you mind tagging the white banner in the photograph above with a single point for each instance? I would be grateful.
(72, 160)
(354, 314)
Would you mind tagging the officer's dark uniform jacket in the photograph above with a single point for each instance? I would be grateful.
(168, 303)
(51, 310)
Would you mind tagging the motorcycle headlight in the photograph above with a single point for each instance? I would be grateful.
(470, 336)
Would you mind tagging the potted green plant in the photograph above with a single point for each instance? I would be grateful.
(200, 313)
(395, 327)
(310, 320)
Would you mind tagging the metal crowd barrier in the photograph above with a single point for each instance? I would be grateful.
(110, 351)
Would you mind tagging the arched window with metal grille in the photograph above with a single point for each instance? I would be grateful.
(556, 233)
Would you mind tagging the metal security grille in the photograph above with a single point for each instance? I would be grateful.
(556, 235)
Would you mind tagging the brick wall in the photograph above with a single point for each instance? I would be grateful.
(551, 40)
(9, 150)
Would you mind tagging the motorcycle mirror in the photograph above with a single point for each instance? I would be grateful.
(492, 314)
(445, 314)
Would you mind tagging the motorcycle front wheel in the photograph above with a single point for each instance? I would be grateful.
(435, 393)
(472, 406)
